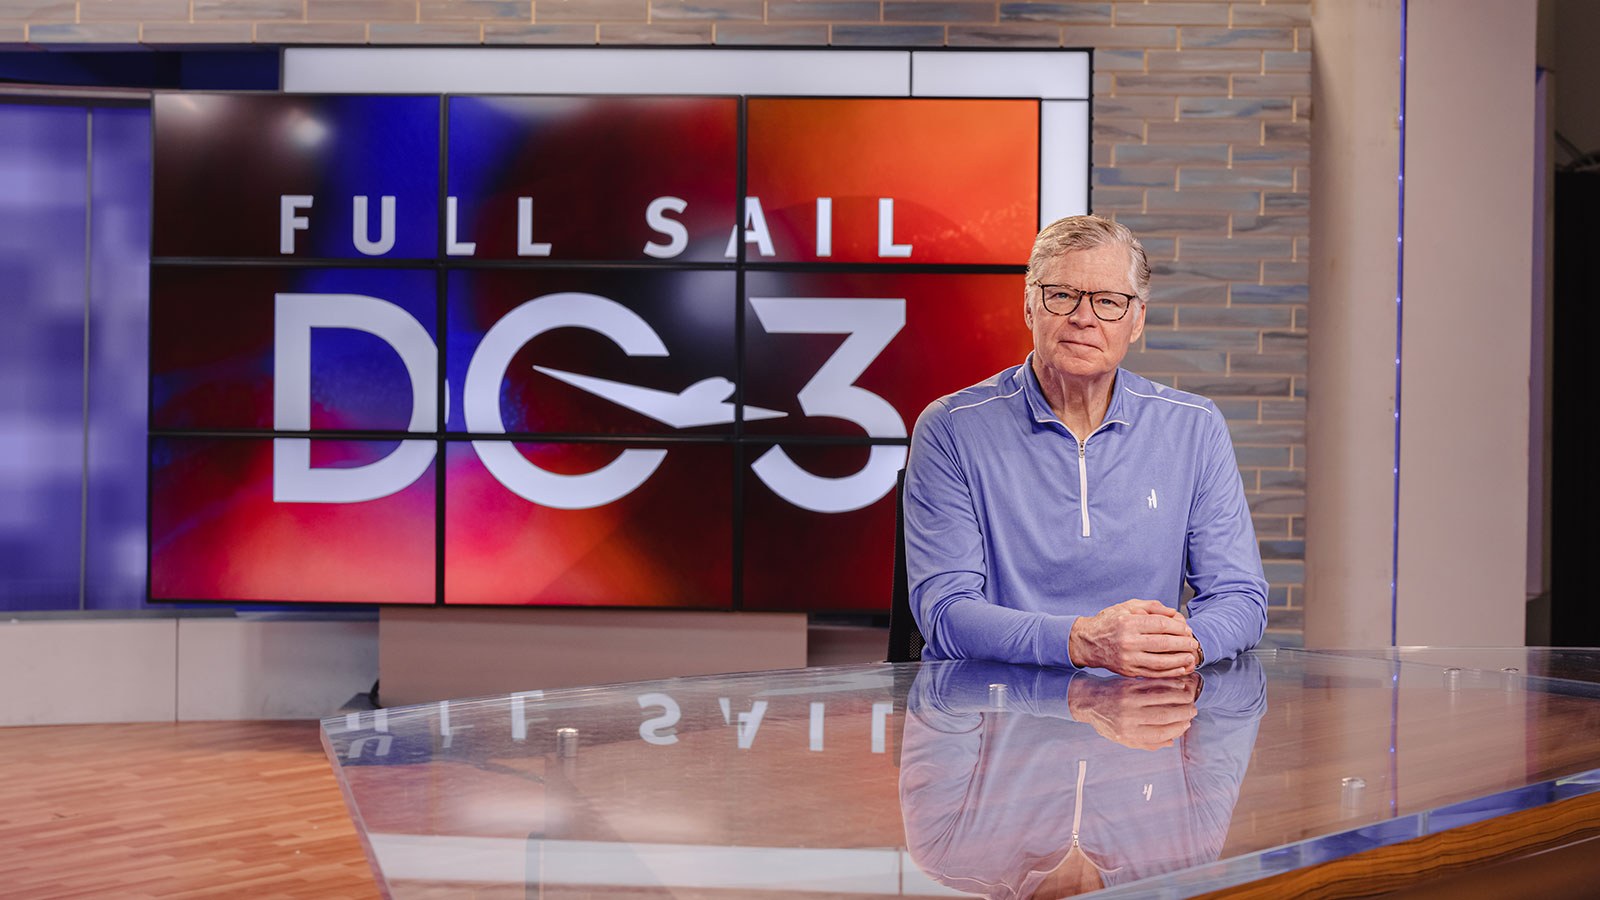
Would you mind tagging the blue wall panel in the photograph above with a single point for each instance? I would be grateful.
(43, 202)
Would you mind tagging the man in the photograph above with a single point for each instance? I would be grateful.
(1054, 511)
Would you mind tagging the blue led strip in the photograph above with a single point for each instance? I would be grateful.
(1399, 324)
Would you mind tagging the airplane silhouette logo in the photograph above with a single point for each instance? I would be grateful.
(703, 403)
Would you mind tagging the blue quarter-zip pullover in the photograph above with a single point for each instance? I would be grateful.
(1014, 529)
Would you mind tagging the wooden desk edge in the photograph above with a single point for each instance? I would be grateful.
(1414, 862)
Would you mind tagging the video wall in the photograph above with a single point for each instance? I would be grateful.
(588, 350)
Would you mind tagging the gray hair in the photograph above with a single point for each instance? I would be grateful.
(1086, 233)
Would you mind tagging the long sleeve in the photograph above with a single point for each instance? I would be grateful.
(1228, 613)
(945, 560)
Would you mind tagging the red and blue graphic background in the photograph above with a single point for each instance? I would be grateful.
(704, 530)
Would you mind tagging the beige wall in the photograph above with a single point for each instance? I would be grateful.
(1466, 346)
(1459, 547)
(1354, 275)
(56, 671)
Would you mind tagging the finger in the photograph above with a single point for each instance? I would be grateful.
(1161, 642)
(1162, 665)
(1152, 622)
(1169, 633)
(1161, 713)
(1150, 738)
(1130, 669)
(1150, 607)
(1169, 734)
(1188, 686)
(1138, 607)
(1155, 625)
(1125, 608)
(1157, 691)
(1133, 657)
(1174, 721)
(1192, 682)
(1166, 730)
(1164, 693)
(1170, 659)
(1157, 640)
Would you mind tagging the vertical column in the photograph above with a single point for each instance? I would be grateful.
(1454, 533)
(1350, 435)
(1466, 348)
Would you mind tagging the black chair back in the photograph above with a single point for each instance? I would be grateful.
(905, 640)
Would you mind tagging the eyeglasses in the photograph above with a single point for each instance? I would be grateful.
(1107, 306)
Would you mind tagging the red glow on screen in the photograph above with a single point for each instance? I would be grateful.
(667, 543)
(795, 559)
(216, 532)
(959, 330)
(963, 175)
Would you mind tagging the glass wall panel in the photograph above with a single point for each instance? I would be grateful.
(119, 327)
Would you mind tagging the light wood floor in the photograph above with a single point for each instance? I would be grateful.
(194, 809)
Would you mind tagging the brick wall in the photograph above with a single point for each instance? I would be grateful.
(1201, 146)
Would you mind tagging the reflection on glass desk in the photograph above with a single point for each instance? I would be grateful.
(968, 779)
(1573, 663)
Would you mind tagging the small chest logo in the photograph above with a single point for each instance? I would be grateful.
(1152, 498)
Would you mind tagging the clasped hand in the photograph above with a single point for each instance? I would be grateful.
(1142, 638)
(1144, 715)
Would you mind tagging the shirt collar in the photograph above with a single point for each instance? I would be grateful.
(1117, 412)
